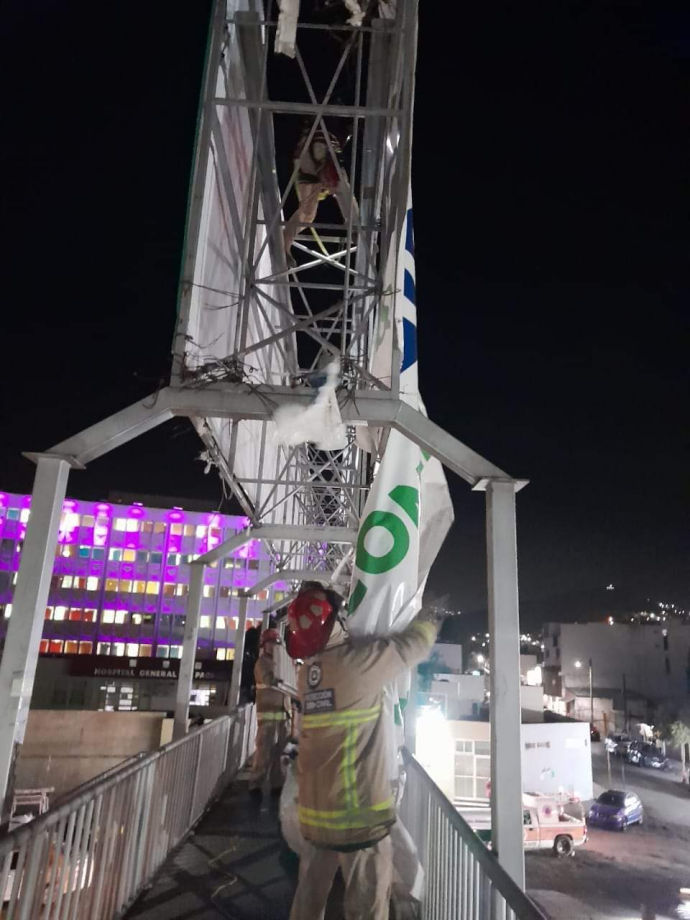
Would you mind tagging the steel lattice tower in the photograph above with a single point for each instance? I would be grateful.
(249, 314)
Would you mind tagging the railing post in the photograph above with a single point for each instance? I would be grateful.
(411, 712)
(20, 656)
(195, 784)
(234, 697)
(504, 629)
(191, 632)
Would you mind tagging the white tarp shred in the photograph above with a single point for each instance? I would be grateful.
(320, 423)
(286, 33)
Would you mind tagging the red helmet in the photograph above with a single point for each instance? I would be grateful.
(269, 635)
(310, 621)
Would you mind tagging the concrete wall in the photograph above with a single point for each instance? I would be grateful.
(450, 654)
(462, 697)
(527, 663)
(556, 757)
(532, 703)
(604, 718)
(65, 748)
(462, 694)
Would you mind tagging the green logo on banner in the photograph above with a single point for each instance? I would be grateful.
(375, 565)
(407, 497)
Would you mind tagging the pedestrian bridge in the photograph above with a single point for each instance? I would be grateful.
(174, 835)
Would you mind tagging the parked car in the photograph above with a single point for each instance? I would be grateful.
(616, 809)
(617, 743)
(644, 754)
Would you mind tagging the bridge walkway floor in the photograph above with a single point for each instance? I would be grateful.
(234, 866)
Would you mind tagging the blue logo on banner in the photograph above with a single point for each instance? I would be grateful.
(409, 328)
(409, 235)
(408, 288)
(409, 344)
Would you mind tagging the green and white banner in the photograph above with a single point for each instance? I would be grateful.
(408, 510)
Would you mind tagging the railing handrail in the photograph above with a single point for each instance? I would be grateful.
(97, 786)
(523, 906)
(90, 856)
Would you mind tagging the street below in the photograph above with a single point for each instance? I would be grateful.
(631, 875)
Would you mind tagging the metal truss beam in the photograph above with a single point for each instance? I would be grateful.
(277, 532)
(288, 575)
(242, 401)
(113, 431)
(311, 108)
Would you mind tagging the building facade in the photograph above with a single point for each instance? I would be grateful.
(118, 598)
(650, 661)
(556, 757)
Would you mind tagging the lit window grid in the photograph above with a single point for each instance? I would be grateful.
(114, 558)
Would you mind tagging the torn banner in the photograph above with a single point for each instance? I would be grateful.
(406, 518)
(408, 510)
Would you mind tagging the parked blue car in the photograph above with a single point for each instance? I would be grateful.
(616, 809)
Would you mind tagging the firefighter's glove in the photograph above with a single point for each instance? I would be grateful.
(432, 615)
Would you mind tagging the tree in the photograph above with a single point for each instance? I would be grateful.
(679, 734)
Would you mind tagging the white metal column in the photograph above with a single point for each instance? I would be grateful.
(504, 628)
(20, 656)
(191, 632)
(234, 698)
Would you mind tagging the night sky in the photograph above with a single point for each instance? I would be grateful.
(550, 180)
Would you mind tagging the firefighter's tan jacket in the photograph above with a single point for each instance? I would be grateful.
(271, 704)
(345, 796)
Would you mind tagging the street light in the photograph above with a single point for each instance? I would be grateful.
(578, 664)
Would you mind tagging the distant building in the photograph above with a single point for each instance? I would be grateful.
(635, 667)
(453, 732)
(114, 621)
(556, 757)
(464, 694)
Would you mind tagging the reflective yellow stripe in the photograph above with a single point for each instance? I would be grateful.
(349, 775)
(350, 720)
(271, 716)
(343, 812)
(343, 819)
(427, 628)
(346, 717)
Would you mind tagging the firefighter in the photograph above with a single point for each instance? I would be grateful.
(345, 798)
(317, 177)
(272, 715)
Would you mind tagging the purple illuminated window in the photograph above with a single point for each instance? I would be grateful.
(121, 574)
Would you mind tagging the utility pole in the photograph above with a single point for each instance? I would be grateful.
(608, 764)
(591, 696)
(625, 705)
(625, 724)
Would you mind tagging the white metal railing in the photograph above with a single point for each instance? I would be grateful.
(89, 856)
(285, 670)
(464, 880)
